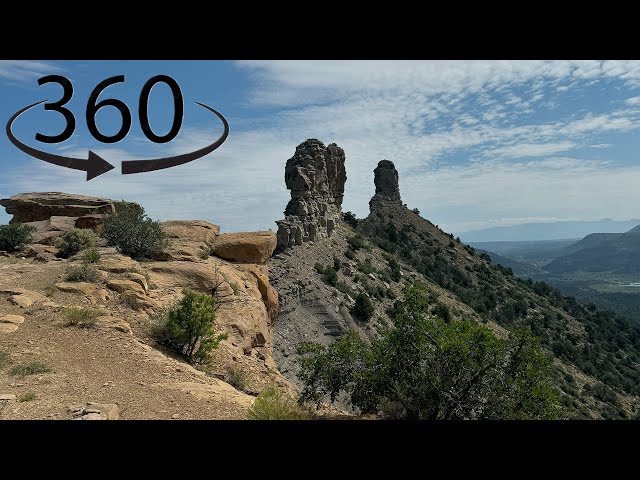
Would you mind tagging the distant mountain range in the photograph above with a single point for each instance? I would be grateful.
(548, 231)
(600, 252)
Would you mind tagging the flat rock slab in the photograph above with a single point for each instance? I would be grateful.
(12, 319)
(22, 301)
(94, 411)
(7, 396)
(7, 328)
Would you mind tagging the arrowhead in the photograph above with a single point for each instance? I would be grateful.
(96, 166)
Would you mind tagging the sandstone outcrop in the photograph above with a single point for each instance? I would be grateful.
(386, 182)
(246, 247)
(316, 176)
(34, 207)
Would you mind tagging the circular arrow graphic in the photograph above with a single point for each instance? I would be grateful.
(94, 165)
(139, 166)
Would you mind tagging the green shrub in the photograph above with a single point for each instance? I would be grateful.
(27, 397)
(319, 268)
(92, 255)
(75, 240)
(330, 276)
(273, 404)
(5, 359)
(442, 311)
(337, 264)
(82, 273)
(350, 219)
(237, 378)
(15, 236)
(189, 327)
(356, 242)
(366, 267)
(82, 317)
(31, 368)
(132, 232)
(362, 309)
(235, 287)
(350, 254)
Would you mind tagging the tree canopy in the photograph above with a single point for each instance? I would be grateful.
(432, 369)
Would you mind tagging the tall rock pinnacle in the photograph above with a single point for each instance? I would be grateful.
(386, 181)
(316, 177)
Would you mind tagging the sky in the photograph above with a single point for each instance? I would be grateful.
(477, 144)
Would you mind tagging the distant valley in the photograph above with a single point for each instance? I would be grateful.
(603, 268)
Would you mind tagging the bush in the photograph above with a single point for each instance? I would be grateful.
(82, 317)
(15, 236)
(92, 255)
(330, 276)
(272, 404)
(132, 232)
(350, 219)
(237, 378)
(82, 273)
(362, 309)
(27, 397)
(350, 254)
(319, 268)
(189, 328)
(75, 240)
(356, 242)
(5, 359)
(31, 368)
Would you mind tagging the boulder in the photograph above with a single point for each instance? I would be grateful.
(36, 250)
(49, 230)
(247, 247)
(189, 240)
(115, 323)
(122, 286)
(195, 230)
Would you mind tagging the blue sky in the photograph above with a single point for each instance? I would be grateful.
(477, 143)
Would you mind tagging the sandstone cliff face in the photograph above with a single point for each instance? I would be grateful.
(316, 176)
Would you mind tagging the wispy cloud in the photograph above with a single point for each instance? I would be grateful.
(25, 70)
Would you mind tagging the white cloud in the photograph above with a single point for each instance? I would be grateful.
(530, 149)
(506, 193)
(25, 70)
